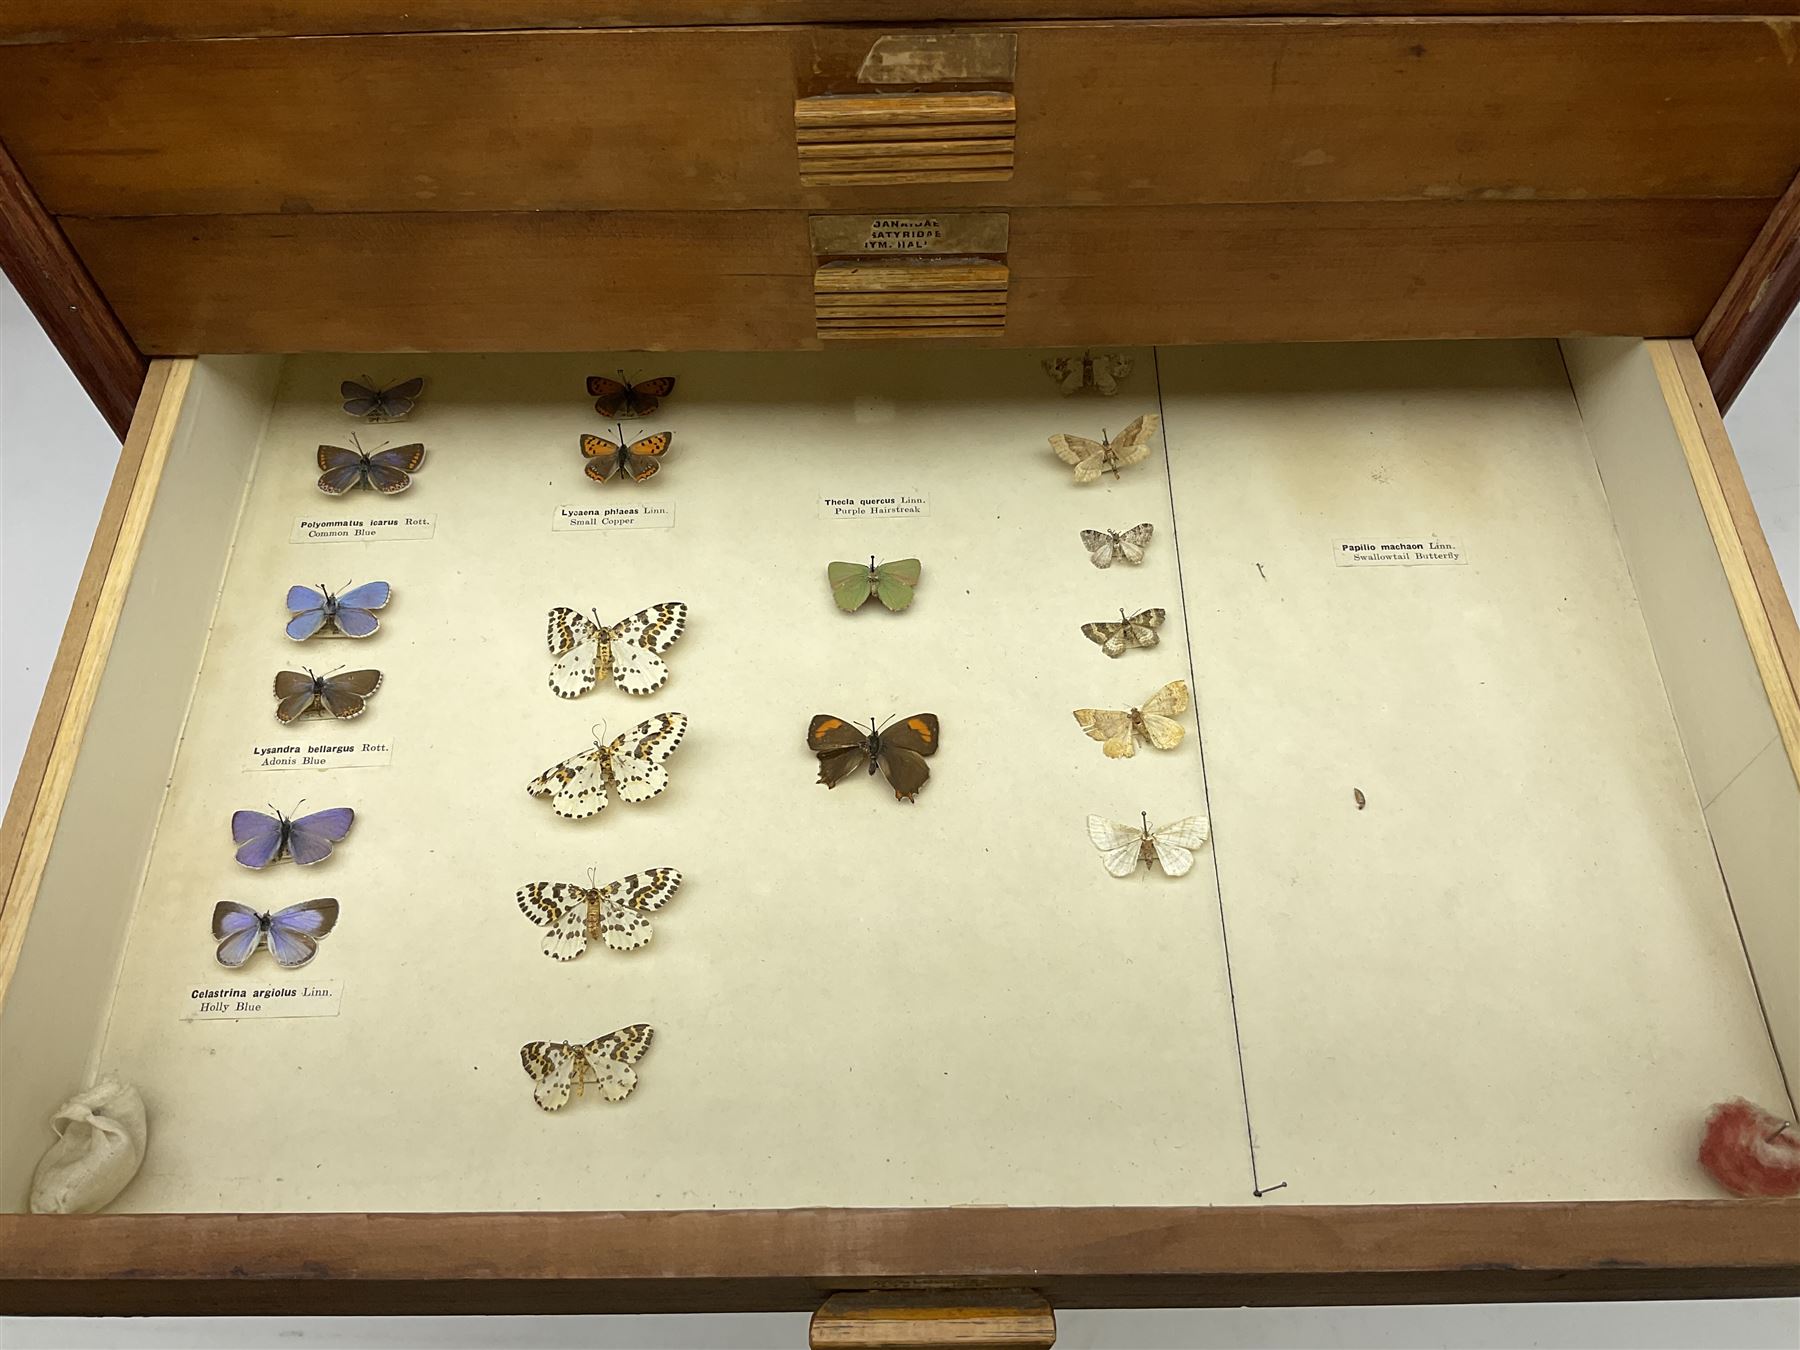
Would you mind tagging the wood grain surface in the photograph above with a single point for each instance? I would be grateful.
(1755, 304)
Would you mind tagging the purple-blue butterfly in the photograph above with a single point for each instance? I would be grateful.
(292, 934)
(350, 613)
(263, 839)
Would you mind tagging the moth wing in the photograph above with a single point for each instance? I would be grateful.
(1089, 470)
(603, 457)
(577, 670)
(1119, 845)
(1188, 832)
(1169, 701)
(1111, 727)
(576, 787)
(1099, 544)
(551, 1065)
(1075, 450)
(638, 780)
(560, 907)
(1161, 732)
(656, 627)
(310, 837)
(612, 1059)
(566, 627)
(239, 930)
(257, 835)
(1139, 433)
(655, 738)
(649, 890)
(623, 927)
(635, 669)
(895, 581)
(1135, 541)
(850, 585)
(1140, 629)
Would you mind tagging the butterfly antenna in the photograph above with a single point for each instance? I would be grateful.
(599, 732)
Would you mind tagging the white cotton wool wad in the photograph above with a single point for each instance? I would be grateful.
(100, 1135)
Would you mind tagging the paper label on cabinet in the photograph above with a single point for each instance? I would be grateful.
(303, 752)
(362, 529)
(620, 516)
(238, 1000)
(1428, 551)
(874, 506)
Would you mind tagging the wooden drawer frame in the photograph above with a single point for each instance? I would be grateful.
(788, 1259)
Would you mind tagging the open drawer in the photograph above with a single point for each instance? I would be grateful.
(1494, 722)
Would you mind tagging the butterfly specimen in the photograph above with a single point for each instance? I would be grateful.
(586, 651)
(615, 913)
(387, 471)
(1100, 373)
(302, 693)
(637, 461)
(262, 839)
(620, 397)
(1171, 846)
(1104, 546)
(900, 751)
(561, 1069)
(1093, 458)
(348, 615)
(374, 404)
(631, 765)
(292, 934)
(852, 584)
(1119, 731)
(1116, 639)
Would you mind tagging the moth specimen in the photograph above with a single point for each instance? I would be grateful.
(1115, 639)
(386, 471)
(1171, 846)
(265, 839)
(375, 404)
(1100, 373)
(320, 612)
(892, 582)
(617, 913)
(1106, 546)
(301, 693)
(1119, 732)
(900, 751)
(631, 765)
(1093, 458)
(292, 934)
(638, 461)
(586, 651)
(620, 397)
(560, 1069)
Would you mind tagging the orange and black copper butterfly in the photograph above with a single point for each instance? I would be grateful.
(621, 398)
(639, 460)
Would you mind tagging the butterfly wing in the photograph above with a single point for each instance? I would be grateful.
(551, 1065)
(644, 457)
(895, 581)
(258, 836)
(850, 585)
(1134, 542)
(1100, 546)
(354, 616)
(1133, 444)
(390, 471)
(294, 932)
(346, 694)
(842, 747)
(902, 752)
(342, 470)
(1110, 727)
(1119, 845)
(1075, 450)
(310, 837)
(1175, 843)
(646, 396)
(308, 609)
(561, 908)
(575, 644)
(608, 396)
(612, 1059)
(295, 692)
(359, 399)
(397, 401)
(604, 458)
(239, 930)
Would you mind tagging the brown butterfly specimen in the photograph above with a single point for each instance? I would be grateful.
(899, 751)
(639, 460)
(1139, 630)
(620, 397)
(303, 694)
(387, 471)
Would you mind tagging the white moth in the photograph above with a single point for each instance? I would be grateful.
(585, 651)
(1105, 546)
(1171, 846)
(631, 765)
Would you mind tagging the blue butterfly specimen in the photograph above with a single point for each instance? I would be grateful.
(349, 614)
(263, 839)
(292, 934)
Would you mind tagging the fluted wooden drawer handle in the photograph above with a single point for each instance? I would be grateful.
(904, 138)
(934, 1320)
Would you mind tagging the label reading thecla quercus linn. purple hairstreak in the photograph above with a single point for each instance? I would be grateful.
(873, 505)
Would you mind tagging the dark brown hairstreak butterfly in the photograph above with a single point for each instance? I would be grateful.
(374, 404)
(302, 693)
(899, 750)
(621, 398)
(388, 471)
(640, 459)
